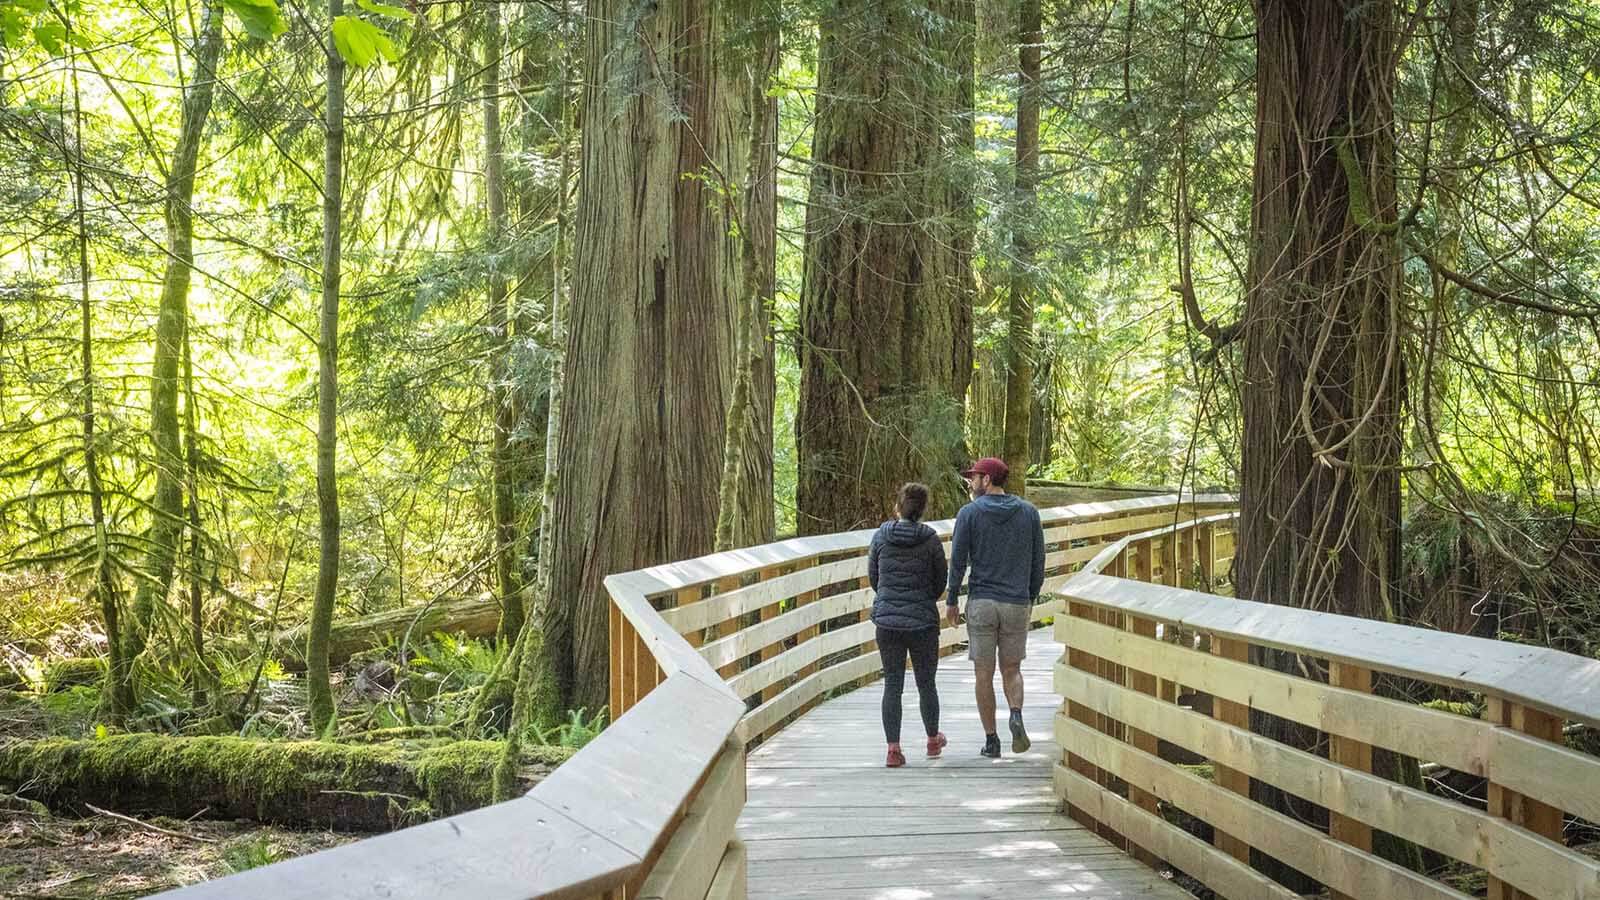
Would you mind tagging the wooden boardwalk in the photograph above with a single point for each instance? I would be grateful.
(824, 818)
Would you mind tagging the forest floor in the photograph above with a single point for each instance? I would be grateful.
(102, 857)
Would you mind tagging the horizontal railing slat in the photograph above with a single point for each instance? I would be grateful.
(1222, 873)
(1520, 857)
(1530, 766)
(1338, 865)
(1548, 680)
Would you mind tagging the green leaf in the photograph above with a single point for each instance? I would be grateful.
(100, 732)
(384, 9)
(261, 18)
(360, 42)
(35, 6)
(13, 25)
(49, 35)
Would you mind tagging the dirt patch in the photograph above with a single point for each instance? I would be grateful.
(57, 858)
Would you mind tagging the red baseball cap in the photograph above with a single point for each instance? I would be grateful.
(994, 468)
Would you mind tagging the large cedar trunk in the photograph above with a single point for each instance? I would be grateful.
(1321, 446)
(886, 299)
(655, 280)
(1320, 488)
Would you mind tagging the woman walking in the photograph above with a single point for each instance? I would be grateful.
(907, 569)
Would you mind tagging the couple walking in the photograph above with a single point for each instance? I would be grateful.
(999, 537)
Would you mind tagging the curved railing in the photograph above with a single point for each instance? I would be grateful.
(1134, 649)
(707, 655)
(713, 654)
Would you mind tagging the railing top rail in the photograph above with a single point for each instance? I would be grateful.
(1562, 684)
(675, 576)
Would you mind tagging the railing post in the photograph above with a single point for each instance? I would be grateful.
(1169, 560)
(1540, 818)
(616, 652)
(1184, 577)
(770, 611)
(803, 600)
(1353, 754)
(1145, 684)
(1237, 715)
(1207, 542)
(1078, 712)
(730, 627)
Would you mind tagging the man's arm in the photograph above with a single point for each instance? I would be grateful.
(959, 547)
(1036, 577)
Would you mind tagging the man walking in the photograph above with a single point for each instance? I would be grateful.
(1000, 537)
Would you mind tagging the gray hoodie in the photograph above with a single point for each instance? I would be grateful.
(1001, 538)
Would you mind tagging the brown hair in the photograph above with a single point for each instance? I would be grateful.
(912, 501)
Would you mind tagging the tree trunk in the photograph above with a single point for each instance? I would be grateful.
(473, 617)
(200, 672)
(649, 357)
(886, 295)
(501, 410)
(1319, 488)
(745, 514)
(166, 506)
(756, 522)
(1019, 338)
(119, 693)
(375, 787)
(319, 691)
(1320, 492)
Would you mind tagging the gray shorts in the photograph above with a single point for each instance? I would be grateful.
(992, 626)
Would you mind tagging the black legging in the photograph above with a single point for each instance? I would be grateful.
(923, 645)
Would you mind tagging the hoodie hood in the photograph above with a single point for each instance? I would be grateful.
(904, 534)
(998, 508)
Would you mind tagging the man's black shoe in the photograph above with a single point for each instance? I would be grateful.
(991, 747)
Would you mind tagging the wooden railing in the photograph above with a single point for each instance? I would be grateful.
(1136, 642)
(707, 656)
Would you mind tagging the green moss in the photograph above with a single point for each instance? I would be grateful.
(1204, 770)
(458, 776)
(61, 674)
(303, 782)
(1469, 710)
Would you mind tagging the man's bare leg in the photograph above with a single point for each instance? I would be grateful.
(1011, 678)
(984, 669)
(1011, 675)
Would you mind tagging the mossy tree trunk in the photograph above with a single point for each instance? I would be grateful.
(886, 295)
(172, 323)
(318, 689)
(119, 693)
(744, 503)
(501, 410)
(649, 355)
(373, 787)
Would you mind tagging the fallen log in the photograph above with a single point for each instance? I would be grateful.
(473, 616)
(368, 787)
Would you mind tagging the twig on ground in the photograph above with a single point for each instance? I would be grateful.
(147, 826)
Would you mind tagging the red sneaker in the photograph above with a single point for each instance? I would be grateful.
(896, 758)
(936, 745)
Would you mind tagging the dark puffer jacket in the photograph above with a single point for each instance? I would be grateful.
(907, 569)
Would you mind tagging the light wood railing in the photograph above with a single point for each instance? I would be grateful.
(1133, 647)
(707, 656)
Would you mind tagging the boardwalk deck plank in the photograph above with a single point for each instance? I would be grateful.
(824, 818)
